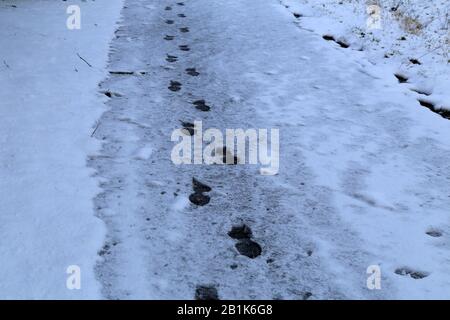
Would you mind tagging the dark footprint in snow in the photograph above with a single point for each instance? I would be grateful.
(401, 78)
(226, 154)
(339, 42)
(169, 21)
(297, 15)
(168, 8)
(192, 72)
(184, 29)
(181, 15)
(199, 186)
(328, 37)
(199, 199)
(184, 47)
(175, 86)
(188, 128)
(201, 105)
(206, 293)
(111, 94)
(412, 273)
(343, 44)
(240, 232)
(248, 248)
(180, 3)
(167, 37)
(429, 105)
(171, 58)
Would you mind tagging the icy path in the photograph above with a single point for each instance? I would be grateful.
(364, 169)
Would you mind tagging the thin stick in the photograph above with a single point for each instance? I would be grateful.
(84, 60)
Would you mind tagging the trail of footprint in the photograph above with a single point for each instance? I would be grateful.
(175, 86)
(245, 245)
(201, 105)
(192, 72)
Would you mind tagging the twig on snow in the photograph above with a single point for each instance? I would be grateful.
(84, 60)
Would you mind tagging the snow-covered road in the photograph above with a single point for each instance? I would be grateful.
(364, 171)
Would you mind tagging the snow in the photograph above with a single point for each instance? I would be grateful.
(48, 107)
(363, 177)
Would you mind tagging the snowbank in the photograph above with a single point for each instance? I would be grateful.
(48, 106)
(408, 37)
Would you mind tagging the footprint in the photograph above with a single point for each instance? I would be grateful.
(175, 86)
(168, 8)
(240, 232)
(184, 47)
(401, 78)
(188, 128)
(167, 37)
(245, 245)
(429, 105)
(181, 15)
(307, 295)
(227, 154)
(184, 29)
(328, 37)
(201, 105)
(169, 21)
(297, 15)
(208, 292)
(339, 42)
(434, 233)
(412, 273)
(192, 72)
(171, 58)
(249, 248)
(111, 94)
(199, 186)
(180, 3)
(199, 199)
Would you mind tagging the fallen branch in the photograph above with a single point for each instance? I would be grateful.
(84, 60)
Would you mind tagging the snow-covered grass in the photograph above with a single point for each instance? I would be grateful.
(413, 38)
(48, 106)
